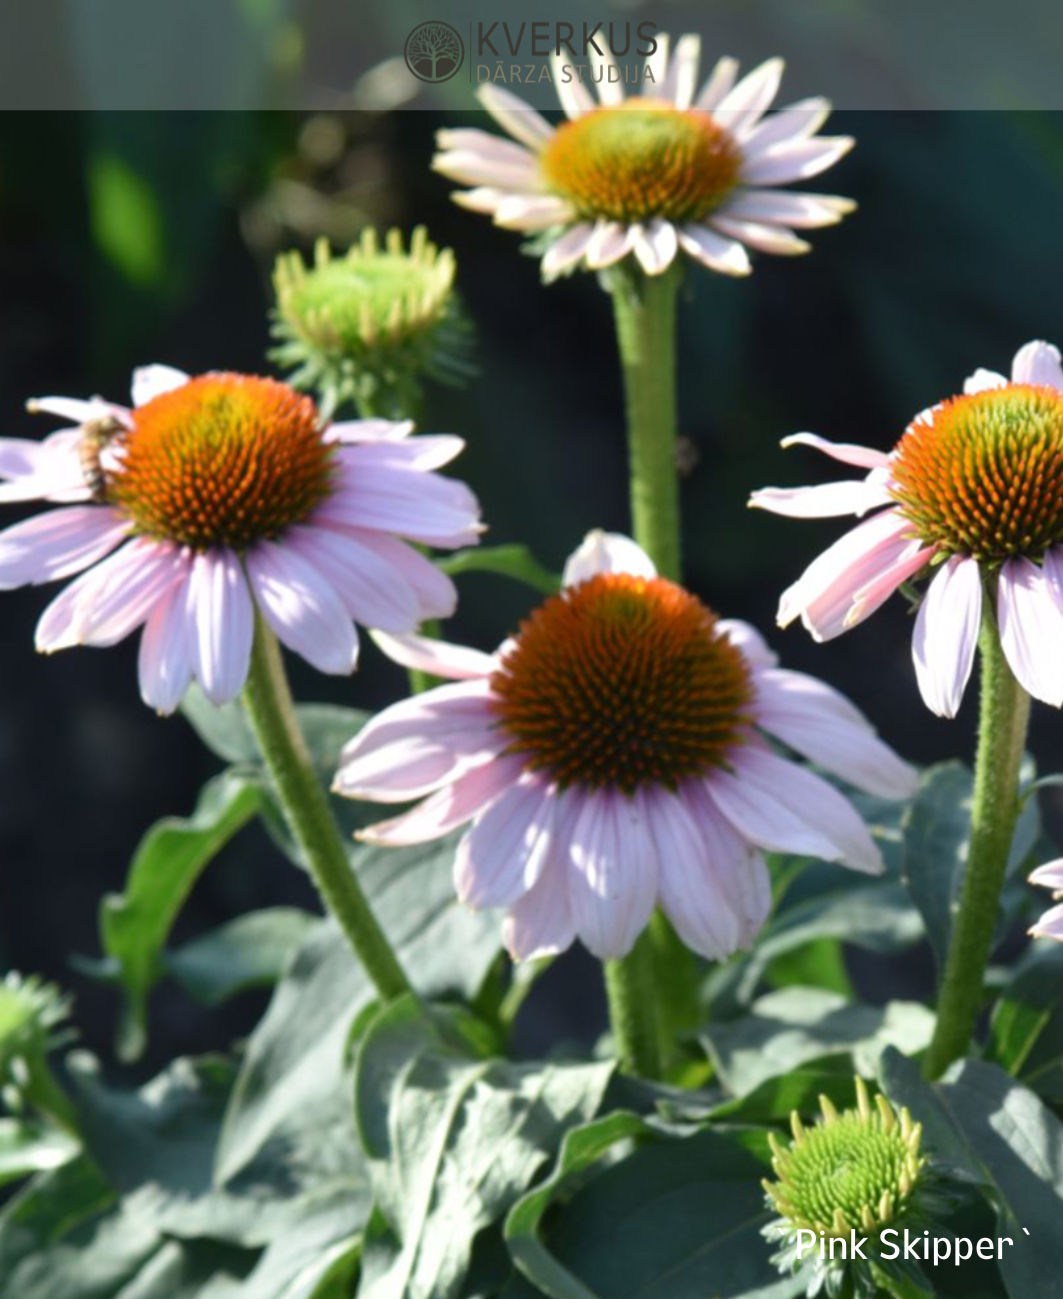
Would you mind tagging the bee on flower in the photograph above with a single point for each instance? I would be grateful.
(617, 754)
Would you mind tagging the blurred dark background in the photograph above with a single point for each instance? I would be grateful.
(133, 237)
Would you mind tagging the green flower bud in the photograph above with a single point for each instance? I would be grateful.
(365, 328)
(31, 1012)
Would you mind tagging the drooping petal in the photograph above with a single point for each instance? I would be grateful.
(490, 167)
(824, 501)
(503, 854)
(776, 240)
(302, 608)
(358, 431)
(450, 807)
(878, 589)
(784, 808)
(822, 725)
(440, 658)
(738, 868)
(221, 624)
(540, 923)
(1031, 630)
(150, 381)
(613, 877)
(434, 592)
(690, 889)
(796, 160)
(725, 256)
(429, 451)
(946, 634)
(58, 543)
(1050, 925)
(164, 663)
(606, 552)
(1038, 363)
(611, 241)
(567, 250)
(752, 644)
(372, 591)
(788, 207)
(423, 506)
(532, 212)
(655, 245)
(1049, 876)
(847, 452)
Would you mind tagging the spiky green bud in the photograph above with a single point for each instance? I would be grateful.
(364, 328)
(31, 1012)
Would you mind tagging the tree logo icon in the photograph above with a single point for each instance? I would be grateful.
(434, 52)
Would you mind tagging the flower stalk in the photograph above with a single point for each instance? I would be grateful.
(1003, 718)
(271, 712)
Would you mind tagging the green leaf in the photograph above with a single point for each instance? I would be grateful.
(27, 1148)
(134, 925)
(936, 834)
(453, 1141)
(294, 1077)
(1001, 1135)
(676, 1219)
(516, 562)
(248, 952)
(127, 221)
(1026, 1031)
(774, 1100)
(786, 1029)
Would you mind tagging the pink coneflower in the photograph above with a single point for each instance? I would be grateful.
(216, 494)
(669, 169)
(1050, 876)
(974, 491)
(612, 756)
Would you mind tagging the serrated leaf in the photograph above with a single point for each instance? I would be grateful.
(134, 925)
(794, 1026)
(453, 1141)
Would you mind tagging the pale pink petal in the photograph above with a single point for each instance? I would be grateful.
(368, 430)
(796, 160)
(49, 470)
(1052, 568)
(1050, 925)
(946, 634)
(150, 381)
(470, 167)
(610, 242)
(822, 596)
(566, 251)
(655, 67)
(744, 106)
(422, 506)
(533, 212)
(73, 410)
(798, 121)
(540, 923)
(738, 868)
(515, 116)
(983, 381)
(438, 657)
(655, 245)
(503, 854)
(690, 889)
(573, 94)
(614, 873)
(682, 77)
(752, 644)
(604, 73)
(413, 747)
(788, 207)
(849, 453)
(302, 608)
(164, 664)
(874, 593)
(484, 145)
(58, 543)
(824, 501)
(372, 591)
(721, 79)
(775, 240)
(784, 808)
(449, 807)
(484, 198)
(221, 626)
(429, 451)
(823, 725)
(1031, 630)
(1038, 363)
(725, 256)
(1049, 876)
(606, 552)
(434, 592)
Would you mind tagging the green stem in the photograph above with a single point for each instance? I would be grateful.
(629, 992)
(271, 712)
(46, 1096)
(644, 308)
(420, 681)
(1005, 710)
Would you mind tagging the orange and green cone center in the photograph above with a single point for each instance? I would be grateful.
(224, 460)
(982, 474)
(623, 682)
(642, 160)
